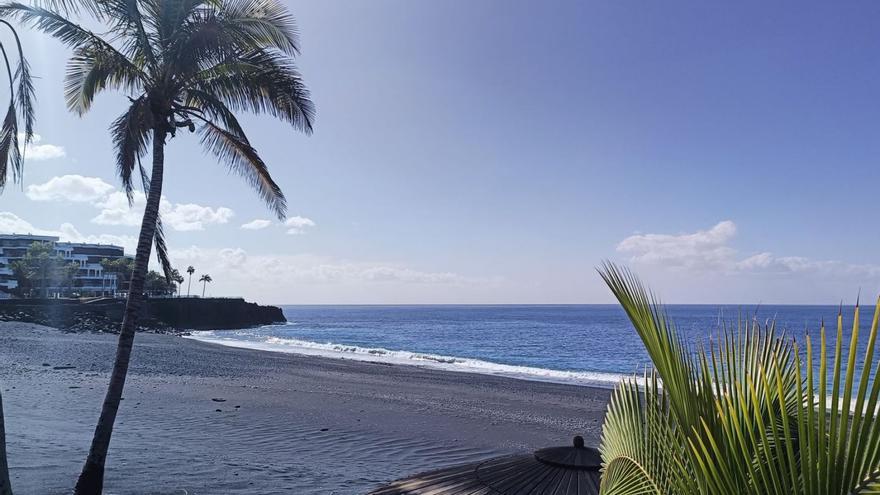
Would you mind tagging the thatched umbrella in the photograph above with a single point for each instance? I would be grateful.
(556, 470)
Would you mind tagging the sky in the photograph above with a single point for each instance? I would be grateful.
(497, 151)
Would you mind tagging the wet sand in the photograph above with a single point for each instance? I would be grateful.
(199, 418)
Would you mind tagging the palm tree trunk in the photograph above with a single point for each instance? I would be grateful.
(5, 485)
(189, 284)
(204, 286)
(91, 480)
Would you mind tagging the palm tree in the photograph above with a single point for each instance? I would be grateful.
(177, 278)
(751, 413)
(19, 114)
(190, 64)
(205, 279)
(190, 270)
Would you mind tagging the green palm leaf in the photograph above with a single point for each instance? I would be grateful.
(869, 486)
(93, 68)
(747, 413)
(242, 158)
(131, 134)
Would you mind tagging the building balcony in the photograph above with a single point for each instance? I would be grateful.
(94, 288)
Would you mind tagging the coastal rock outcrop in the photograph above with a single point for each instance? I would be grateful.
(160, 315)
(212, 313)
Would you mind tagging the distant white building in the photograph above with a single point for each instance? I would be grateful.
(89, 281)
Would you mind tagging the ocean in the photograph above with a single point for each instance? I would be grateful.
(580, 344)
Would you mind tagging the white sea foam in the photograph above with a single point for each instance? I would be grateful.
(434, 361)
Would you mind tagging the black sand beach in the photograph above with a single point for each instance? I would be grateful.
(204, 419)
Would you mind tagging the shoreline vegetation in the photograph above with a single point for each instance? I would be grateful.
(159, 315)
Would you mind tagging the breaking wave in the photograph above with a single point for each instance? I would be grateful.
(425, 360)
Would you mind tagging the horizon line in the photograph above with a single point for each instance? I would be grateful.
(757, 305)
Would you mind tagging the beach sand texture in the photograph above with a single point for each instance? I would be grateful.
(204, 419)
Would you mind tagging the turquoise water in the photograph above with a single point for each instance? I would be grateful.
(589, 344)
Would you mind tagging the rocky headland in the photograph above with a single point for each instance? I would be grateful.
(165, 315)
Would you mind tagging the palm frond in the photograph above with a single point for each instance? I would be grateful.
(260, 23)
(869, 486)
(200, 42)
(8, 147)
(243, 159)
(639, 446)
(93, 68)
(131, 135)
(69, 8)
(52, 22)
(162, 250)
(96, 63)
(9, 151)
(208, 36)
(761, 419)
(688, 396)
(260, 82)
(25, 94)
(168, 16)
(214, 109)
(129, 23)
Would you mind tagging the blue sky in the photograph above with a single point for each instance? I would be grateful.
(496, 151)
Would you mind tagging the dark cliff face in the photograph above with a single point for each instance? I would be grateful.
(159, 314)
(211, 314)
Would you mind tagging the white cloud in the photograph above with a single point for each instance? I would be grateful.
(232, 258)
(36, 150)
(11, 223)
(274, 270)
(114, 207)
(309, 278)
(768, 263)
(710, 250)
(189, 216)
(298, 225)
(116, 211)
(256, 224)
(705, 248)
(295, 225)
(69, 233)
(181, 217)
(399, 274)
(75, 188)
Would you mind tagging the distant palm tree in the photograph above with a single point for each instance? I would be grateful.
(177, 278)
(190, 270)
(181, 64)
(205, 279)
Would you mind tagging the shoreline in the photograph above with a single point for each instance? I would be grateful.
(447, 363)
(212, 419)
